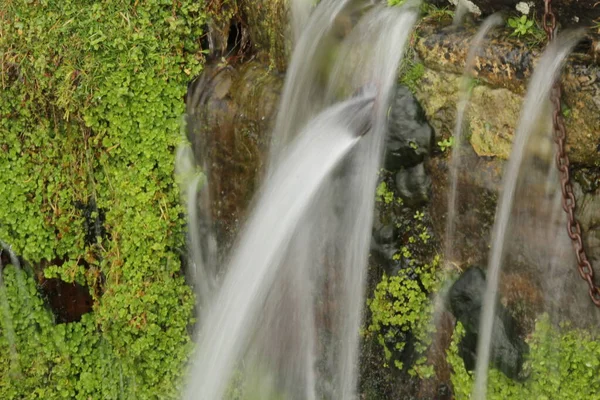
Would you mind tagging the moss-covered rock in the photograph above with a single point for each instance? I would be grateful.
(268, 23)
(231, 132)
(500, 75)
(91, 100)
(562, 364)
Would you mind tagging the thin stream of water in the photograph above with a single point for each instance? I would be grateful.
(460, 12)
(300, 98)
(190, 180)
(535, 102)
(7, 322)
(8, 329)
(369, 60)
(300, 14)
(263, 243)
(455, 161)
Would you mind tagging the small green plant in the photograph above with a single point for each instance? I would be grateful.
(424, 236)
(446, 143)
(384, 194)
(400, 306)
(410, 74)
(527, 29)
(563, 363)
(472, 83)
(522, 26)
(435, 12)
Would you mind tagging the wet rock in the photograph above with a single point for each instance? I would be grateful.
(539, 272)
(413, 185)
(501, 72)
(568, 12)
(507, 348)
(268, 25)
(383, 241)
(588, 179)
(410, 137)
(479, 181)
(68, 301)
(231, 115)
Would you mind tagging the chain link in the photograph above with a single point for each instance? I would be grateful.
(562, 163)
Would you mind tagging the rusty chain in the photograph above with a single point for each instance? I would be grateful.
(562, 163)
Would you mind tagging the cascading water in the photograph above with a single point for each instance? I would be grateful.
(200, 243)
(8, 329)
(300, 98)
(455, 162)
(373, 50)
(300, 13)
(324, 251)
(281, 319)
(536, 102)
(257, 257)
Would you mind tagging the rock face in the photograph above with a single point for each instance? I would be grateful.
(538, 268)
(268, 26)
(230, 132)
(538, 251)
(568, 12)
(236, 108)
(409, 143)
(502, 69)
(507, 349)
(410, 137)
(413, 185)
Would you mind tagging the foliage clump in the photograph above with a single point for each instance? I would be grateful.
(401, 309)
(563, 363)
(411, 74)
(91, 99)
(527, 29)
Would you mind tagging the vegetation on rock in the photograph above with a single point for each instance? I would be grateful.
(92, 96)
(563, 363)
(401, 309)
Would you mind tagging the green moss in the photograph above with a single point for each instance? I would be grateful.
(526, 28)
(268, 26)
(563, 363)
(384, 194)
(400, 305)
(91, 102)
(411, 74)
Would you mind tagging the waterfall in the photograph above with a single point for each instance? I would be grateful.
(256, 259)
(535, 103)
(463, 102)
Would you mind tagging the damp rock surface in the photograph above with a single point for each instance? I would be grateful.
(413, 185)
(569, 13)
(232, 116)
(410, 137)
(68, 301)
(502, 70)
(508, 350)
